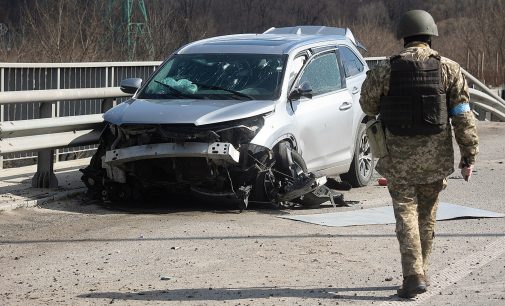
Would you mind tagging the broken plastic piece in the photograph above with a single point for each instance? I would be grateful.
(302, 185)
(332, 183)
(243, 195)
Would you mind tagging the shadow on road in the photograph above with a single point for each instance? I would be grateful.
(158, 205)
(227, 294)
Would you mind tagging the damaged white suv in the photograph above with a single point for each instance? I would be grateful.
(250, 117)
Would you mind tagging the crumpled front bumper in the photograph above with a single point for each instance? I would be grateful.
(218, 151)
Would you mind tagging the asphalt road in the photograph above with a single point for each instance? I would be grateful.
(76, 252)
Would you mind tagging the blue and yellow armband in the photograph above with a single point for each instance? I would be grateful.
(459, 109)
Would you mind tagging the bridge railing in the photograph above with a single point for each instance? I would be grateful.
(53, 128)
(47, 133)
(24, 77)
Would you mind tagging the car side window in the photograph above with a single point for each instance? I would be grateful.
(323, 74)
(352, 64)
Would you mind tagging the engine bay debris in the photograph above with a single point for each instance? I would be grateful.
(216, 162)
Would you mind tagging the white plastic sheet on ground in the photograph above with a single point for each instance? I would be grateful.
(384, 215)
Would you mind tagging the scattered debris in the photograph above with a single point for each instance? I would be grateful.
(315, 198)
(382, 181)
(339, 201)
(164, 277)
(333, 183)
(175, 248)
(388, 279)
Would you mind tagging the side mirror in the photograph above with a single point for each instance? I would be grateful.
(304, 90)
(130, 86)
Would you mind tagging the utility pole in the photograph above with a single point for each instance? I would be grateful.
(478, 64)
(482, 68)
(468, 59)
(137, 27)
(497, 75)
(134, 25)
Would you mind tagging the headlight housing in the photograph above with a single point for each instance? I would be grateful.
(241, 131)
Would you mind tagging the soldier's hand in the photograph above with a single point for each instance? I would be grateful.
(466, 172)
(466, 168)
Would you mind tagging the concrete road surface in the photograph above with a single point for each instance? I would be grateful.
(75, 252)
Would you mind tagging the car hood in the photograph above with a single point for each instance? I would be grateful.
(197, 112)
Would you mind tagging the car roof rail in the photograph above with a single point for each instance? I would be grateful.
(317, 30)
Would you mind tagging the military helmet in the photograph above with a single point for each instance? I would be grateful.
(416, 22)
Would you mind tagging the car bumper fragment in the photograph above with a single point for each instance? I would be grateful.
(220, 151)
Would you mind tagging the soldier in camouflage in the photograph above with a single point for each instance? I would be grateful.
(419, 160)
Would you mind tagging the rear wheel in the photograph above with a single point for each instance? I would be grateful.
(360, 173)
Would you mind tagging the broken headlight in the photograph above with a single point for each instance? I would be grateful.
(240, 131)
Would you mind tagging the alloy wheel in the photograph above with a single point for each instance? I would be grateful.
(365, 162)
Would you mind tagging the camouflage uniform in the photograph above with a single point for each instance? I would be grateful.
(417, 166)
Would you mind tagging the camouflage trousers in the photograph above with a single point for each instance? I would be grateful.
(415, 208)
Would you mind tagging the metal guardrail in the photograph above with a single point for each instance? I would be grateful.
(484, 99)
(47, 133)
(25, 77)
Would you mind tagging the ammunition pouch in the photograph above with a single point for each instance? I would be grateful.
(406, 116)
(376, 138)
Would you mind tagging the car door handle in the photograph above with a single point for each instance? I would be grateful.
(345, 105)
(355, 90)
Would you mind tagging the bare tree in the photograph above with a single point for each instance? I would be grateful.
(63, 30)
(86, 30)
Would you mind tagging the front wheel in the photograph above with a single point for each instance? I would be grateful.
(361, 170)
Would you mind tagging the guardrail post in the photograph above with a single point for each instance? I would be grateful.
(108, 104)
(1, 120)
(2, 82)
(45, 177)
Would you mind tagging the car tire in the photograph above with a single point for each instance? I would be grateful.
(362, 166)
(265, 183)
(309, 200)
(283, 150)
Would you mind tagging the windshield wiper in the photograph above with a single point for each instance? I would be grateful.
(236, 93)
(179, 93)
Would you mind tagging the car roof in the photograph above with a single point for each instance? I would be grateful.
(273, 41)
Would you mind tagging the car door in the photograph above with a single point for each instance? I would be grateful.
(354, 69)
(323, 121)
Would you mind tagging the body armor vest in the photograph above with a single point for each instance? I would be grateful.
(416, 103)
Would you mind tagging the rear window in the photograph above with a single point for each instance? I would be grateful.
(352, 64)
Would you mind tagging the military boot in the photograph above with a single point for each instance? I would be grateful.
(412, 286)
(426, 279)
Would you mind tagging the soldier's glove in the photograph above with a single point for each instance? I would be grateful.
(466, 168)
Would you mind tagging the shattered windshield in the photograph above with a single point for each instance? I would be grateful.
(217, 76)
